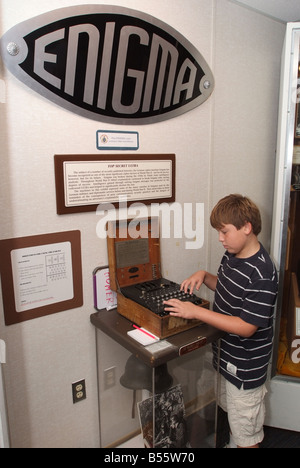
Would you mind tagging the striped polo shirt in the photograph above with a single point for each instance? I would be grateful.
(247, 288)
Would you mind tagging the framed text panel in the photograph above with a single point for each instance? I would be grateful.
(85, 181)
(40, 275)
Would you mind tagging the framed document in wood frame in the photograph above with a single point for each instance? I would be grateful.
(40, 275)
(85, 181)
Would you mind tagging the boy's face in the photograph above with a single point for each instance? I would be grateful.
(234, 240)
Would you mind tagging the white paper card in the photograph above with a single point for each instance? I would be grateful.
(104, 297)
(143, 336)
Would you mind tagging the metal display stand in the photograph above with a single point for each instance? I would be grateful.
(177, 371)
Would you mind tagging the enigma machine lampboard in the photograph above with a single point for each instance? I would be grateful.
(135, 274)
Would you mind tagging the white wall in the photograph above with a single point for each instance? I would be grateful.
(4, 436)
(225, 145)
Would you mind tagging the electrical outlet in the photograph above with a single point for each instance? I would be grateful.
(109, 378)
(78, 391)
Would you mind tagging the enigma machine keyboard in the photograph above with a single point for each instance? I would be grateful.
(135, 275)
(152, 295)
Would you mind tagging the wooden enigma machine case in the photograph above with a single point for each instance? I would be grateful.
(135, 274)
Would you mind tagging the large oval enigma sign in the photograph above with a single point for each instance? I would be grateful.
(108, 63)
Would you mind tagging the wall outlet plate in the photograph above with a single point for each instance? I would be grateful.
(109, 378)
(78, 391)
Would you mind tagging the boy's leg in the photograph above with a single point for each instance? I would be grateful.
(246, 415)
(223, 429)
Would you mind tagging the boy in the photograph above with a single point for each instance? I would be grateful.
(245, 295)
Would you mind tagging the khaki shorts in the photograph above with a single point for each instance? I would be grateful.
(246, 412)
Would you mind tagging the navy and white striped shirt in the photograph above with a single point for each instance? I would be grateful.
(247, 288)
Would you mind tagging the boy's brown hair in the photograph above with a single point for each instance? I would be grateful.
(237, 210)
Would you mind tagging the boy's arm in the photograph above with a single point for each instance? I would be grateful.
(223, 322)
(199, 278)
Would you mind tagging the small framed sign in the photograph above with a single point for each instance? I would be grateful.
(104, 297)
(40, 275)
(112, 140)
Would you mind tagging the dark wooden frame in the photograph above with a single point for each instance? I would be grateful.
(60, 187)
(6, 246)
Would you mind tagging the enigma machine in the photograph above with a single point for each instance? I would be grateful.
(135, 274)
